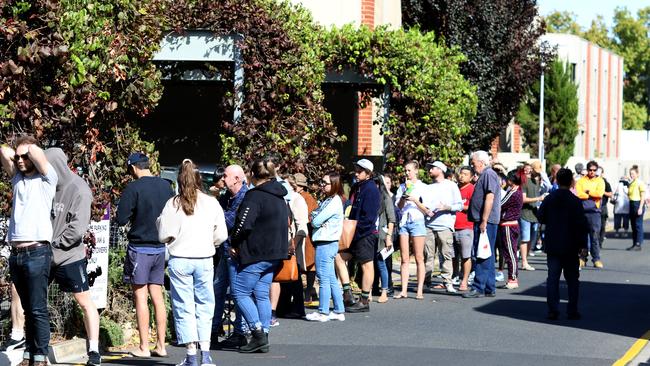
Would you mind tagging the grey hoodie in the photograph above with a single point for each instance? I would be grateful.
(70, 211)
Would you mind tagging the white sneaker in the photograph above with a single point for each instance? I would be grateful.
(450, 288)
(531, 254)
(499, 276)
(317, 317)
(336, 316)
(455, 281)
(470, 279)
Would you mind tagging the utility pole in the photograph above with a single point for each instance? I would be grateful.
(540, 152)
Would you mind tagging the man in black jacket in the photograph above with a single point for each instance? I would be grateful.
(566, 235)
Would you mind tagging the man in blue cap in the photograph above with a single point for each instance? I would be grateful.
(141, 203)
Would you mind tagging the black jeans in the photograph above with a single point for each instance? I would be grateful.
(571, 268)
(636, 221)
(30, 272)
(621, 221)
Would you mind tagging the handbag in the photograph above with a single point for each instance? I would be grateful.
(287, 271)
(349, 227)
(484, 249)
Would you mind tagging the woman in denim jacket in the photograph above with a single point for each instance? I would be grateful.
(327, 222)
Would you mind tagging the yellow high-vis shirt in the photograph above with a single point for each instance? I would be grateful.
(635, 189)
(595, 186)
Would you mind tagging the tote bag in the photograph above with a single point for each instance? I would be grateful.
(287, 271)
(349, 227)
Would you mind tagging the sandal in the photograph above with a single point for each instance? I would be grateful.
(439, 286)
(401, 296)
(421, 297)
(463, 288)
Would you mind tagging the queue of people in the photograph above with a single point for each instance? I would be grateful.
(234, 247)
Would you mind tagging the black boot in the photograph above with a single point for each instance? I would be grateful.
(361, 306)
(259, 343)
(348, 298)
(234, 341)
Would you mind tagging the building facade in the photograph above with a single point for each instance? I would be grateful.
(367, 139)
(599, 75)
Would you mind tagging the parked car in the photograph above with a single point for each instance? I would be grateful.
(170, 174)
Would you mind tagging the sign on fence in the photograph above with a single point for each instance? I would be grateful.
(98, 264)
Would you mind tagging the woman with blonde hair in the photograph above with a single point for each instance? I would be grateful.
(411, 226)
(192, 224)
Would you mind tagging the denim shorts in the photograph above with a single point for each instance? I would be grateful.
(413, 228)
(528, 231)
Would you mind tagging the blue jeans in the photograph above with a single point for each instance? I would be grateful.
(637, 222)
(383, 271)
(30, 273)
(329, 285)
(192, 298)
(571, 268)
(224, 277)
(255, 280)
(484, 280)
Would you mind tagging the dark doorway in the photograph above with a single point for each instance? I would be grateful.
(341, 102)
(187, 121)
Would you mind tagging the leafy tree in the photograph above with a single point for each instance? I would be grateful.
(500, 39)
(431, 104)
(560, 114)
(562, 22)
(635, 116)
(632, 41)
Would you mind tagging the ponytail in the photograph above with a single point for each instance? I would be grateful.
(189, 182)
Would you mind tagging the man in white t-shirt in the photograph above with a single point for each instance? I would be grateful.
(30, 231)
(439, 204)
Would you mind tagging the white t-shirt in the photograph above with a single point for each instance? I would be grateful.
(448, 194)
(194, 236)
(410, 211)
(32, 206)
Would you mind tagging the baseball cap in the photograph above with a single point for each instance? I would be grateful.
(438, 164)
(136, 157)
(300, 179)
(365, 164)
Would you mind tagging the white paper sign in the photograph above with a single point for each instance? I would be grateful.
(98, 265)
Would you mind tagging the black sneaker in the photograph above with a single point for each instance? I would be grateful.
(635, 248)
(12, 344)
(94, 359)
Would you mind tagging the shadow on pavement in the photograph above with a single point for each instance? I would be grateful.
(605, 307)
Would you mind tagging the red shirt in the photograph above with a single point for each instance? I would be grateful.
(461, 216)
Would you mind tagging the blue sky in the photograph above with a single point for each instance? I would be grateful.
(587, 10)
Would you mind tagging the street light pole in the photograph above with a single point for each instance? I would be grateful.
(540, 152)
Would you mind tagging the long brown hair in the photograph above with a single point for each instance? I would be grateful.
(189, 183)
(336, 187)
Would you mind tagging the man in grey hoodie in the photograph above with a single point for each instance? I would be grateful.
(70, 221)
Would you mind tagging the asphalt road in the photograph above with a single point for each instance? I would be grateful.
(510, 329)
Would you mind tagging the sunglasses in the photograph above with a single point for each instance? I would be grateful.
(323, 183)
(23, 156)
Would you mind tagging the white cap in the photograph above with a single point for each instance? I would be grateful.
(438, 164)
(365, 164)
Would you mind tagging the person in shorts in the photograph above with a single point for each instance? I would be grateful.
(141, 203)
(411, 227)
(70, 222)
(463, 228)
(366, 198)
